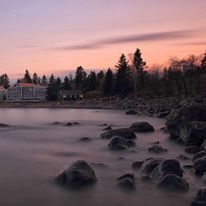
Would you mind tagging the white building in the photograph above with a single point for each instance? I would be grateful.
(3, 94)
(27, 92)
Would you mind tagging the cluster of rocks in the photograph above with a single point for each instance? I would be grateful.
(167, 174)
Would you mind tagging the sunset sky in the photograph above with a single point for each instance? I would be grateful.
(56, 36)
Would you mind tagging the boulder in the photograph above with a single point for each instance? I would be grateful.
(192, 149)
(200, 165)
(173, 183)
(108, 128)
(183, 157)
(150, 164)
(126, 133)
(131, 112)
(194, 133)
(127, 184)
(181, 117)
(156, 148)
(85, 139)
(137, 164)
(200, 199)
(163, 114)
(118, 143)
(199, 155)
(69, 124)
(79, 175)
(128, 175)
(142, 127)
(204, 177)
(131, 143)
(203, 146)
(167, 167)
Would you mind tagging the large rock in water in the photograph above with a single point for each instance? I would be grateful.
(200, 199)
(200, 165)
(118, 143)
(194, 133)
(173, 183)
(126, 133)
(199, 155)
(80, 174)
(203, 146)
(142, 127)
(4, 125)
(168, 167)
(181, 117)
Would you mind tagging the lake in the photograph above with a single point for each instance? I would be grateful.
(33, 151)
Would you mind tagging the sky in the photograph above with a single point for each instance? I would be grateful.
(56, 36)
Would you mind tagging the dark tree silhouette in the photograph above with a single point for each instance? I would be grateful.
(109, 83)
(27, 77)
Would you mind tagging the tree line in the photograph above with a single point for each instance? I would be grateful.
(130, 77)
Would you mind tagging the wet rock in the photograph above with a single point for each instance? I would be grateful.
(146, 178)
(173, 183)
(131, 143)
(192, 149)
(79, 175)
(193, 133)
(183, 157)
(118, 143)
(157, 149)
(142, 127)
(164, 129)
(107, 128)
(203, 146)
(131, 112)
(69, 124)
(128, 175)
(181, 117)
(204, 177)
(3, 125)
(200, 165)
(163, 114)
(150, 164)
(126, 133)
(137, 164)
(167, 167)
(85, 139)
(127, 184)
(188, 167)
(199, 155)
(200, 199)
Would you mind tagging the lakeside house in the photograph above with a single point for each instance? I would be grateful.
(3, 94)
(70, 95)
(27, 92)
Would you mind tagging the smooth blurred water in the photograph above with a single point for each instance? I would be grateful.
(33, 151)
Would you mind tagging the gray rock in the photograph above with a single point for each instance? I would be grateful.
(181, 117)
(200, 165)
(131, 112)
(194, 133)
(199, 155)
(127, 184)
(108, 128)
(126, 133)
(173, 183)
(131, 143)
(157, 149)
(183, 157)
(163, 114)
(150, 164)
(137, 164)
(128, 175)
(203, 146)
(167, 167)
(200, 199)
(192, 149)
(3, 125)
(79, 175)
(142, 127)
(118, 143)
(85, 139)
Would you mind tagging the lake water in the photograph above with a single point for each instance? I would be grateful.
(33, 151)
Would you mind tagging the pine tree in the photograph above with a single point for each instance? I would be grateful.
(44, 81)
(108, 86)
(124, 79)
(92, 81)
(4, 81)
(27, 77)
(35, 78)
(80, 78)
(66, 84)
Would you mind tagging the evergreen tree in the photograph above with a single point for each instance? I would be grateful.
(140, 76)
(100, 80)
(44, 81)
(27, 78)
(4, 81)
(91, 81)
(35, 79)
(80, 78)
(108, 86)
(66, 84)
(52, 89)
(124, 79)
(203, 63)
